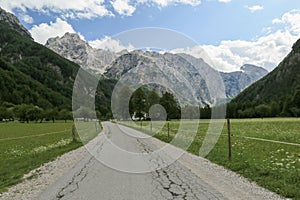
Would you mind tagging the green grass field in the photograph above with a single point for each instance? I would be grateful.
(24, 147)
(272, 165)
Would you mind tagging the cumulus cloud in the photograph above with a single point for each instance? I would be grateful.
(76, 9)
(27, 19)
(107, 43)
(290, 20)
(42, 32)
(224, 1)
(255, 8)
(88, 9)
(266, 51)
(165, 3)
(123, 7)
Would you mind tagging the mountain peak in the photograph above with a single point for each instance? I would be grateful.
(67, 38)
(250, 68)
(72, 36)
(14, 23)
(72, 47)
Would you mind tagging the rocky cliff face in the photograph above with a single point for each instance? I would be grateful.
(72, 47)
(235, 82)
(163, 72)
(14, 23)
(184, 71)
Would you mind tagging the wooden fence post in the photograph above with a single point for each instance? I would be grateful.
(229, 139)
(168, 130)
(73, 133)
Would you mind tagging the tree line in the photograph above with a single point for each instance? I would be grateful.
(29, 112)
(143, 99)
(288, 106)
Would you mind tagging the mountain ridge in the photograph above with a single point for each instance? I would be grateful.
(14, 23)
(72, 47)
(234, 82)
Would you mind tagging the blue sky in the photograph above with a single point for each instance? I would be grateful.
(233, 32)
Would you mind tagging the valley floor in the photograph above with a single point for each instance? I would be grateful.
(214, 181)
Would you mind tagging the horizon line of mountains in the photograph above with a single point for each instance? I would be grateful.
(114, 65)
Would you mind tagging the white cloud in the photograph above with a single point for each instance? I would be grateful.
(290, 20)
(88, 9)
(165, 3)
(122, 7)
(107, 43)
(255, 8)
(78, 9)
(189, 2)
(42, 32)
(27, 19)
(266, 51)
(224, 1)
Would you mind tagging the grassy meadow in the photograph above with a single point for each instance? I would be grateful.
(273, 165)
(24, 147)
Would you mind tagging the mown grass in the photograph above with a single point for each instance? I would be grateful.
(272, 165)
(24, 147)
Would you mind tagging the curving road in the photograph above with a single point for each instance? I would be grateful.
(189, 177)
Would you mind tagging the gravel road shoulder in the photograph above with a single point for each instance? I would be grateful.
(39, 179)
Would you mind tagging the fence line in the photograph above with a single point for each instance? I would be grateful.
(266, 140)
(247, 137)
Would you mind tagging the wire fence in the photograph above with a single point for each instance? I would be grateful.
(171, 130)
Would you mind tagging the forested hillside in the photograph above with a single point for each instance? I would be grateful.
(277, 94)
(31, 74)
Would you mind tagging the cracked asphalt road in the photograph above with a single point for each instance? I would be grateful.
(90, 179)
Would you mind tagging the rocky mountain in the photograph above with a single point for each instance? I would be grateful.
(72, 47)
(114, 65)
(14, 23)
(235, 82)
(195, 71)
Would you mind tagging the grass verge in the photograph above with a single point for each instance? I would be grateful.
(24, 147)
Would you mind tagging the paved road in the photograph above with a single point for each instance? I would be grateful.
(91, 179)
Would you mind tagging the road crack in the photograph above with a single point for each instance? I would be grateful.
(176, 181)
(73, 185)
(78, 177)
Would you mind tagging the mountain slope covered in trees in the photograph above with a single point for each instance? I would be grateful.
(276, 94)
(31, 74)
